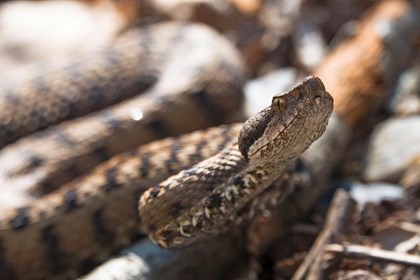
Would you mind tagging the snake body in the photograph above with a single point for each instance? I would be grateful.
(60, 235)
(190, 70)
(205, 199)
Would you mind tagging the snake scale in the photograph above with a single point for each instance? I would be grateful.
(62, 232)
(192, 70)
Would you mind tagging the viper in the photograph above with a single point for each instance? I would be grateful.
(205, 199)
(217, 172)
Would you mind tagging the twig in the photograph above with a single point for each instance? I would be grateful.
(362, 252)
(337, 224)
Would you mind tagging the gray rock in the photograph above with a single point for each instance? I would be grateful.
(394, 144)
(407, 95)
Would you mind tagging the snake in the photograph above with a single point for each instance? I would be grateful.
(217, 171)
(66, 233)
(92, 108)
(204, 200)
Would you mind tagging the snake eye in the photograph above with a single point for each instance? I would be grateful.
(279, 104)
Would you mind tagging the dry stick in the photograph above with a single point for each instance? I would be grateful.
(339, 219)
(363, 252)
(350, 74)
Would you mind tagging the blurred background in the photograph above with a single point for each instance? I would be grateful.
(77, 89)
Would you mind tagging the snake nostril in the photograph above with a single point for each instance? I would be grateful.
(318, 99)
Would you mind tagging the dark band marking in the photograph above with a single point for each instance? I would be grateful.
(215, 201)
(43, 187)
(158, 127)
(101, 153)
(95, 96)
(104, 235)
(21, 220)
(197, 155)
(72, 111)
(54, 255)
(212, 112)
(238, 181)
(145, 81)
(34, 161)
(111, 121)
(64, 138)
(226, 137)
(70, 200)
(170, 163)
(39, 119)
(175, 209)
(144, 165)
(155, 191)
(72, 170)
(8, 132)
(111, 179)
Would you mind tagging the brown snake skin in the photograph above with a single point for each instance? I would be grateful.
(205, 199)
(63, 234)
(193, 78)
(89, 218)
(192, 71)
(131, 64)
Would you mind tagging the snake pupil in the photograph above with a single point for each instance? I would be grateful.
(279, 104)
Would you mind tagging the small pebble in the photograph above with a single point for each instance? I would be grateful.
(310, 45)
(375, 192)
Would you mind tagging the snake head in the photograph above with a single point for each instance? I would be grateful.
(285, 129)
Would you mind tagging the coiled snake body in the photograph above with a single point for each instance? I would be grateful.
(194, 78)
(65, 232)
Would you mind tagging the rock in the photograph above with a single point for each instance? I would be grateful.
(407, 94)
(375, 192)
(393, 146)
